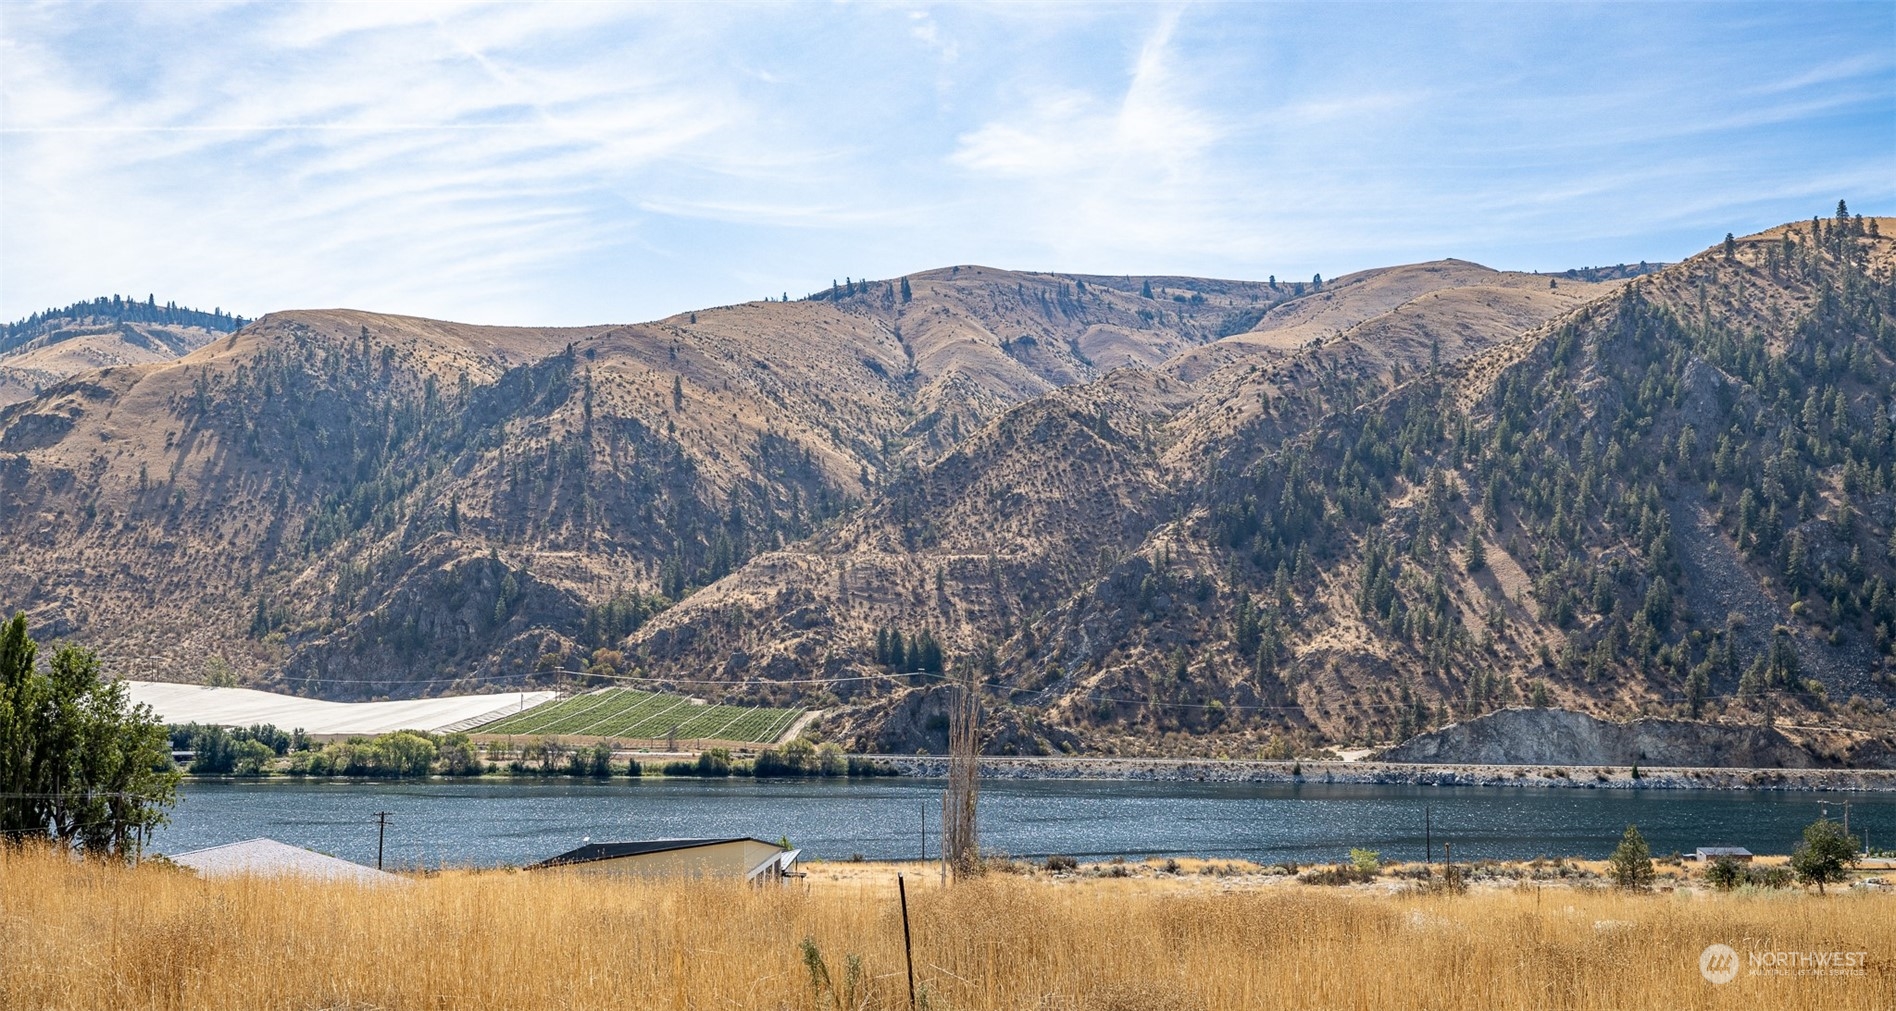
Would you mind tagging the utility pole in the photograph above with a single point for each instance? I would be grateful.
(924, 832)
(381, 834)
(1428, 841)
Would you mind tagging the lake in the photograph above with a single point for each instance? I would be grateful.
(502, 822)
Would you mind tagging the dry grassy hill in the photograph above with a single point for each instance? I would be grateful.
(1279, 551)
(355, 503)
(29, 369)
(46, 347)
(983, 544)
(1155, 514)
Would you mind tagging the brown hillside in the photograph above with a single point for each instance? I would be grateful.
(350, 502)
(1062, 490)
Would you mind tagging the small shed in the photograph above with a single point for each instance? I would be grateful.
(753, 860)
(1707, 854)
(269, 858)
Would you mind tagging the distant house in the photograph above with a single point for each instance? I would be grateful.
(269, 858)
(1707, 854)
(754, 860)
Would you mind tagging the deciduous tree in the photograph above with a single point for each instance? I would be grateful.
(78, 763)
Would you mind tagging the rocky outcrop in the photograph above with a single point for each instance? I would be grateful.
(1559, 737)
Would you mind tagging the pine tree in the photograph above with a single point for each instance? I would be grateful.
(907, 294)
(1145, 289)
(1631, 863)
(1477, 556)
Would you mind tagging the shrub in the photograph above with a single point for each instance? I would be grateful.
(1768, 877)
(1452, 882)
(1059, 863)
(1725, 874)
(1340, 874)
(1366, 861)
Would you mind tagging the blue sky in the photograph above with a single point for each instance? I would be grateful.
(561, 164)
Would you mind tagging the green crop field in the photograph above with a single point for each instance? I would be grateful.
(628, 712)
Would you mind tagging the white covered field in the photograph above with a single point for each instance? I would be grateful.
(243, 707)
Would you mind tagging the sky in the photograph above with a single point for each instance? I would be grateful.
(590, 163)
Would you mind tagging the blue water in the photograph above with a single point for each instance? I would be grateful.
(501, 822)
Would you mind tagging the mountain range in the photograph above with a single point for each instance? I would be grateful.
(1152, 514)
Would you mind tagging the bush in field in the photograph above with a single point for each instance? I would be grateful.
(1768, 877)
(1366, 861)
(1341, 874)
(1725, 874)
(1060, 862)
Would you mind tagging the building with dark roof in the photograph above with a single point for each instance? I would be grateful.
(753, 860)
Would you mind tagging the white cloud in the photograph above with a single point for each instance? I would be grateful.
(584, 162)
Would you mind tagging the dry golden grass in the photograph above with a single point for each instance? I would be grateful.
(78, 935)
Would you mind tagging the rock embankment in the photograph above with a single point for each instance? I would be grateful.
(1406, 774)
(1559, 737)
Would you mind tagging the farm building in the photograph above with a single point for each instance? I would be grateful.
(754, 860)
(269, 858)
(1706, 854)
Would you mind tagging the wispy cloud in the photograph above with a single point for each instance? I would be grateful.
(584, 162)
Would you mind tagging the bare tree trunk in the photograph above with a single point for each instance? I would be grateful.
(959, 845)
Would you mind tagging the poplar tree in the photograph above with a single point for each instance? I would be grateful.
(79, 764)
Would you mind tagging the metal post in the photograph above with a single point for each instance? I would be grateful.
(924, 833)
(1428, 841)
(908, 950)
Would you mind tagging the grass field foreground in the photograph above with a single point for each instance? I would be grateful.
(88, 935)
